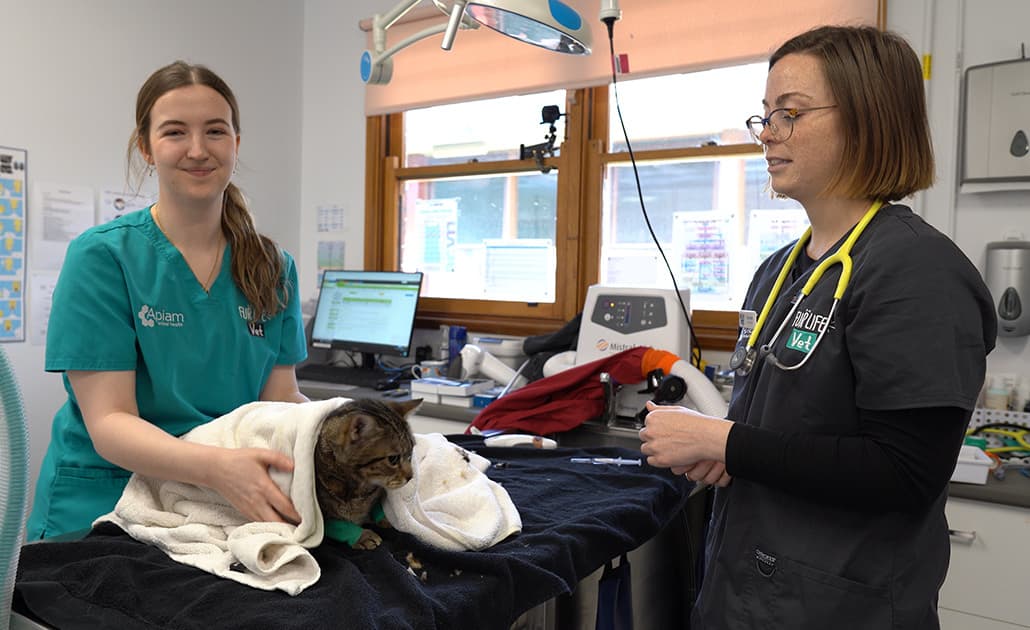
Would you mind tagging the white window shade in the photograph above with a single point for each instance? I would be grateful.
(660, 37)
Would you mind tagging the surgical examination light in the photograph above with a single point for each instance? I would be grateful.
(549, 24)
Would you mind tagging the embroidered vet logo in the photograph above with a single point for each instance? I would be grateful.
(257, 329)
(146, 316)
(150, 317)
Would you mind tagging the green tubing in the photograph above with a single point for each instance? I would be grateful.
(14, 469)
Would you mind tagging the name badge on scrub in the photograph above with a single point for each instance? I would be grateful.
(747, 321)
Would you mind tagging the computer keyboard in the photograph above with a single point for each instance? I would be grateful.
(326, 373)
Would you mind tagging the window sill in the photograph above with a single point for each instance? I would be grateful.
(715, 330)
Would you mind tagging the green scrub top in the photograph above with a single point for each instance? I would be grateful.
(127, 300)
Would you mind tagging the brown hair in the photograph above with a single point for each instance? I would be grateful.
(257, 262)
(877, 81)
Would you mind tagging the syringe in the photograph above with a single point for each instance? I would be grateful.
(617, 461)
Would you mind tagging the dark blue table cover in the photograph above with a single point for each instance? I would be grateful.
(575, 518)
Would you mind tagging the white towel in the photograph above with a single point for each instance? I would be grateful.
(196, 526)
(449, 502)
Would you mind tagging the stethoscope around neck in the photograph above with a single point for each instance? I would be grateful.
(743, 359)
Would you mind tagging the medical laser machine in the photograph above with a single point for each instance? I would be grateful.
(617, 318)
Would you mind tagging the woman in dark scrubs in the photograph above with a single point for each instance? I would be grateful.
(847, 414)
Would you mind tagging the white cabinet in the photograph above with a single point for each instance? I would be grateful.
(986, 587)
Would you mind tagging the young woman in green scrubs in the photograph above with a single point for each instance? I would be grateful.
(169, 317)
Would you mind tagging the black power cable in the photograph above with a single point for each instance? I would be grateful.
(695, 347)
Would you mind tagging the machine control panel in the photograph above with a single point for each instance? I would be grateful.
(629, 313)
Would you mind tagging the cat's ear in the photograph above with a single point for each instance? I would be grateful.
(407, 407)
(360, 427)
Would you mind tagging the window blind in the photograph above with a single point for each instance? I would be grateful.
(659, 36)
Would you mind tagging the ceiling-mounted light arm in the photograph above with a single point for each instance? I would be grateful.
(549, 24)
(408, 41)
(457, 12)
(376, 65)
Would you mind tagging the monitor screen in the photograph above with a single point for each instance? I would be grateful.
(366, 311)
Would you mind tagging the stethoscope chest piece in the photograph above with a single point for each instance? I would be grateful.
(742, 360)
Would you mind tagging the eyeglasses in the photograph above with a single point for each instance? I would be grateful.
(780, 122)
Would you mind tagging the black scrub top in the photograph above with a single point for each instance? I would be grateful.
(912, 330)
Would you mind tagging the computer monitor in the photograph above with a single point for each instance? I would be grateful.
(371, 312)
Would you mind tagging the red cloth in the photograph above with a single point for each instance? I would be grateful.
(564, 400)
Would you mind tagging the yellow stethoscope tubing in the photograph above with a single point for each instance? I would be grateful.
(1018, 436)
(842, 256)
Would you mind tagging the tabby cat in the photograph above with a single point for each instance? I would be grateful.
(363, 448)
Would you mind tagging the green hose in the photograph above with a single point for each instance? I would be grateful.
(14, 472)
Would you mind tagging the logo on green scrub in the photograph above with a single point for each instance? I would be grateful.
(801, 340)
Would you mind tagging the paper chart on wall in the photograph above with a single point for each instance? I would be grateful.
(702, 244)
(13, 182)
(41, 293)
(331, 255)
(330, 218)
(65, 212)
(115, 203)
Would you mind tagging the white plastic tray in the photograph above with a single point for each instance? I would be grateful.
(972, 466)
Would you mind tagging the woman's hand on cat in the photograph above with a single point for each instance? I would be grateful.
(241, 477)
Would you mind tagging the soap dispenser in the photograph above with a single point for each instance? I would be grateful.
(1008, 278)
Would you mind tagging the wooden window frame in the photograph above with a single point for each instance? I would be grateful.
(582, 164)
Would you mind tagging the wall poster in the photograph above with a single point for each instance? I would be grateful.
(13, 187)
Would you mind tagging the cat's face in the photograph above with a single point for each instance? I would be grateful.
(370, 439)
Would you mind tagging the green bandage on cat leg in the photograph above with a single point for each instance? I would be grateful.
(377, 513)
(342, 531)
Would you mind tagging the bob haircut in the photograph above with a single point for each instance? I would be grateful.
(877, 81)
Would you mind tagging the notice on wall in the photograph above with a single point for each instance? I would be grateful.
(434, 235)
(114, 204)
(13, 211)
(330, 256)
(65, 212)
(769, 230)
(330, 218)
(701, 245)
(41, 294)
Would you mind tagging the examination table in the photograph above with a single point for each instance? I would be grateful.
(576, 517)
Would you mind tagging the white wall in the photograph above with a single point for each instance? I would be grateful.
(960, 34)
(70, 75)
(334, 124)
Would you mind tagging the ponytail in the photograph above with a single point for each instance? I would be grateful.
(257, 263)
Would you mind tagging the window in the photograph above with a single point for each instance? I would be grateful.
(485, 237)
(509, 248)
(477, 131)
(481, 236)
(714, 216)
